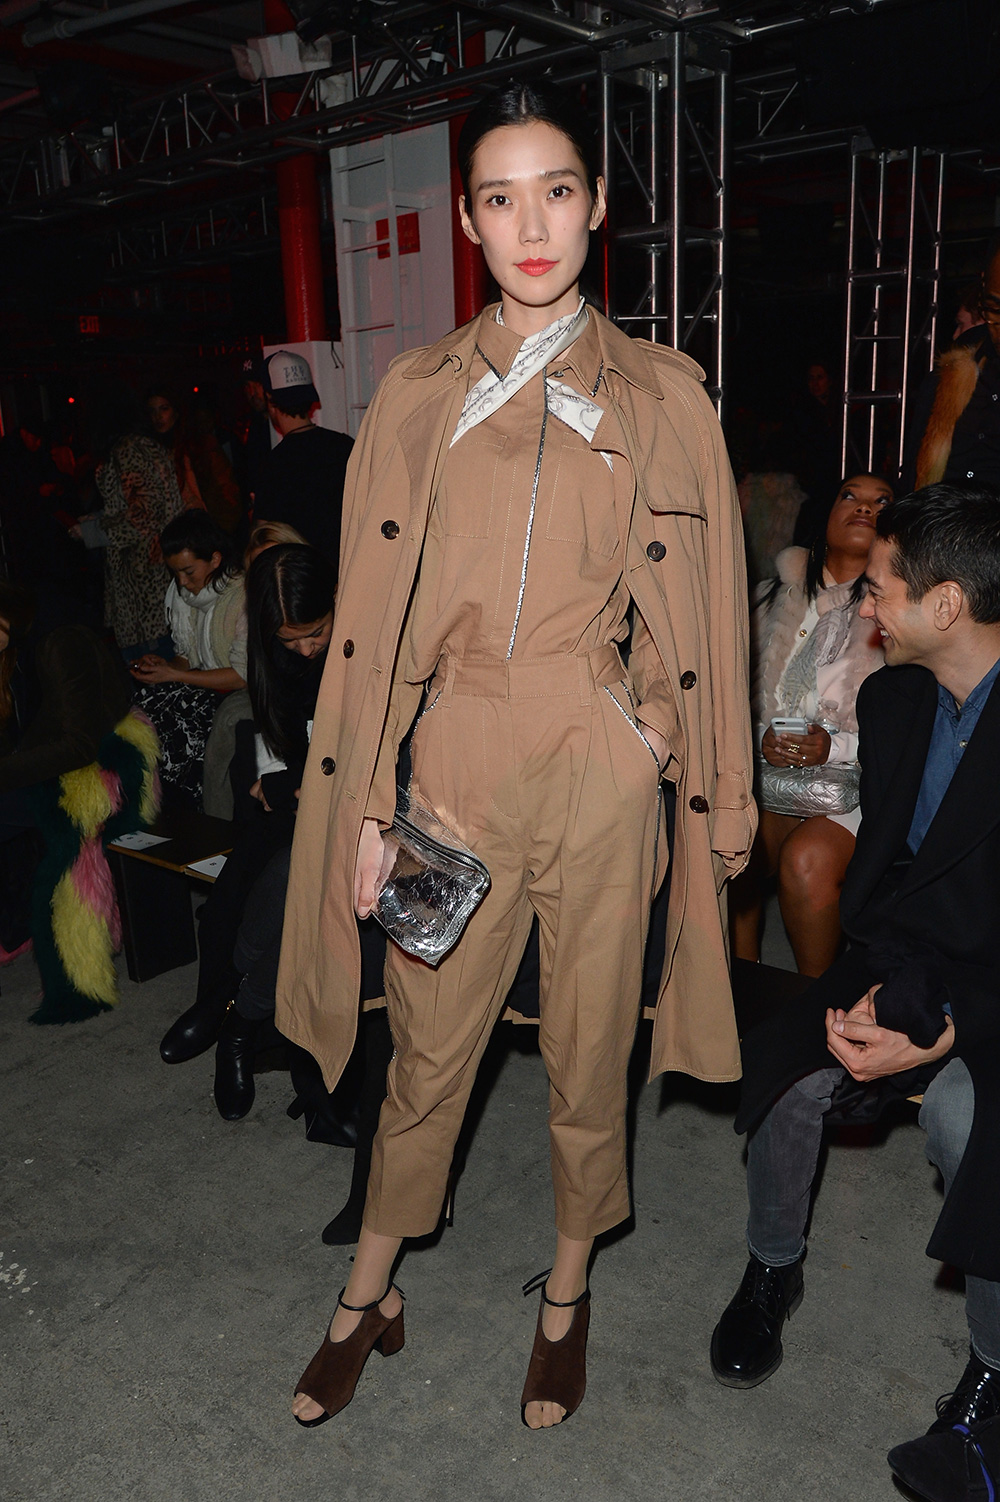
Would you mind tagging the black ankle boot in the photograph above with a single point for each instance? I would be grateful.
(746, 1343)
(240, 1041)
(977, 1397)
(195, 1030)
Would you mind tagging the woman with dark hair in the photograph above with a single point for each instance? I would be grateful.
(811, 651)
(290, 593)
(521, 494)
(169, 426)
(136, 481)
(204, 609)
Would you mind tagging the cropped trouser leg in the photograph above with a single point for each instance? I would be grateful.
(558, 794)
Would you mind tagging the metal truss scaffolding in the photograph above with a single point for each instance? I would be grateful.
(893, 275)
(665, 147)
(655, 76)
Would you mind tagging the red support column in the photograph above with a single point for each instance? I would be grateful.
(298, 220)
(301, 256)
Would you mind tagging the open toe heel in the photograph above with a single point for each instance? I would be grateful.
(332, 1375)
(557, 1371)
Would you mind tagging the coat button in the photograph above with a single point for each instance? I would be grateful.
(348, 648)
(328, 766)
(390, 530)
(656, 552)
(698, 804)
(689, 679)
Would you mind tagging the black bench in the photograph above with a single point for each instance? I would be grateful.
(154, 890)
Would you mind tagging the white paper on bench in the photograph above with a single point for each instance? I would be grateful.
(210, 867)
(141, 840)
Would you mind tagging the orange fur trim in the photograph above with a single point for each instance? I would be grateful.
(958, 372)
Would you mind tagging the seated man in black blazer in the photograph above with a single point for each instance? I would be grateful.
(914, 1003)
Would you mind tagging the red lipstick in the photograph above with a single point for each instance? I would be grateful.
(535, 268)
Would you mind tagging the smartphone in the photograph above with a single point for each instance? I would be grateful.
(790, 726)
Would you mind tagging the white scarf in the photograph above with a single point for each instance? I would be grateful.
(488, 395)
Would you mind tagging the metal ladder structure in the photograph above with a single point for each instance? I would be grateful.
(665, 111)
(893, 276)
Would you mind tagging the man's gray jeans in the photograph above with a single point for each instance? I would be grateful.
(782, 1154)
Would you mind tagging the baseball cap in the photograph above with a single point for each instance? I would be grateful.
(285, 374)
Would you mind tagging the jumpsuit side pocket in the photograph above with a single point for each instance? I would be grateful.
(633, 720)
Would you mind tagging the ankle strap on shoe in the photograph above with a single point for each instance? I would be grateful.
(364, 1308)
(539, 1280)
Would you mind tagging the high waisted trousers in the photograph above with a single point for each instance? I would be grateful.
(541, 767)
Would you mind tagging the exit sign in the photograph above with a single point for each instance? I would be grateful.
(89, 323)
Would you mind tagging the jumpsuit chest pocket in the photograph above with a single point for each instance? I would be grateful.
(472, 476)
(579, 500)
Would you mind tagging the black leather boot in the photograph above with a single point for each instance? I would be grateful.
(961, 1464)
(977, 1397)
(195, 1030)
(240, 1041)
(746, 1343)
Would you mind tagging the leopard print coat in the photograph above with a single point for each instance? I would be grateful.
(139, 489)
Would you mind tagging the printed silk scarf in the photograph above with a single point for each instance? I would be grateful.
(538, 350)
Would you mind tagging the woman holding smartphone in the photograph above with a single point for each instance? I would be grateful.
(519, 494)
(811, 652)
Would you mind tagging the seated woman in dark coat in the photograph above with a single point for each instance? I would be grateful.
(289, 594)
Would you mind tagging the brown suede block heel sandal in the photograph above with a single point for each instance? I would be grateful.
(557, 1371)
(332, 1374)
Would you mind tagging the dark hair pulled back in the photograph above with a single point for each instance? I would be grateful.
(521, 103)
(290, 585)
(817, 550)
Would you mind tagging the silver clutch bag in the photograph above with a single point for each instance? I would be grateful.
(430, 884)
(806, 791)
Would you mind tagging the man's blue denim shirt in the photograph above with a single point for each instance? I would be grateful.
(952, 732)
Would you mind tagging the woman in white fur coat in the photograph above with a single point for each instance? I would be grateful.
(810, 653)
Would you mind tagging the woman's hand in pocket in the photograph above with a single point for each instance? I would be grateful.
(658, 744)
(371, 852)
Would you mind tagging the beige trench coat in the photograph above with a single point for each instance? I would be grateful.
(683, 559)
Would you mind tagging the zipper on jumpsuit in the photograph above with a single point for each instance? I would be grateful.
(531, 512)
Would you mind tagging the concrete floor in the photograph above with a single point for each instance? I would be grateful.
(162, 1285)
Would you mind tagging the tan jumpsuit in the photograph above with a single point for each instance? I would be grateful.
(528, 748)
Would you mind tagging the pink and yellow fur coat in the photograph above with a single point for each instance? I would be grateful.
(76, 926)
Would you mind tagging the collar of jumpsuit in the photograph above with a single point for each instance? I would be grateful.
(600, 341)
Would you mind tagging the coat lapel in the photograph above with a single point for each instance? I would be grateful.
(424, 439)
(970, 809)
(902, 733)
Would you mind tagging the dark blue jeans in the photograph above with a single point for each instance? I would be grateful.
(781, 1166)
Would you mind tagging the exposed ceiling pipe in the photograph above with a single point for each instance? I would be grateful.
(33, 36)
(791, 23)
(13, 10)
(170, 33)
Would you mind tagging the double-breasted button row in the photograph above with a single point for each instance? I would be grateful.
(348, 648)
(698, 804)
(328, 766)
(390, 530)
(656, 552)
(689, 679)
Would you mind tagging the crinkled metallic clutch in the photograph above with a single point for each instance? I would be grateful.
(431, 883)
(806, 791)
